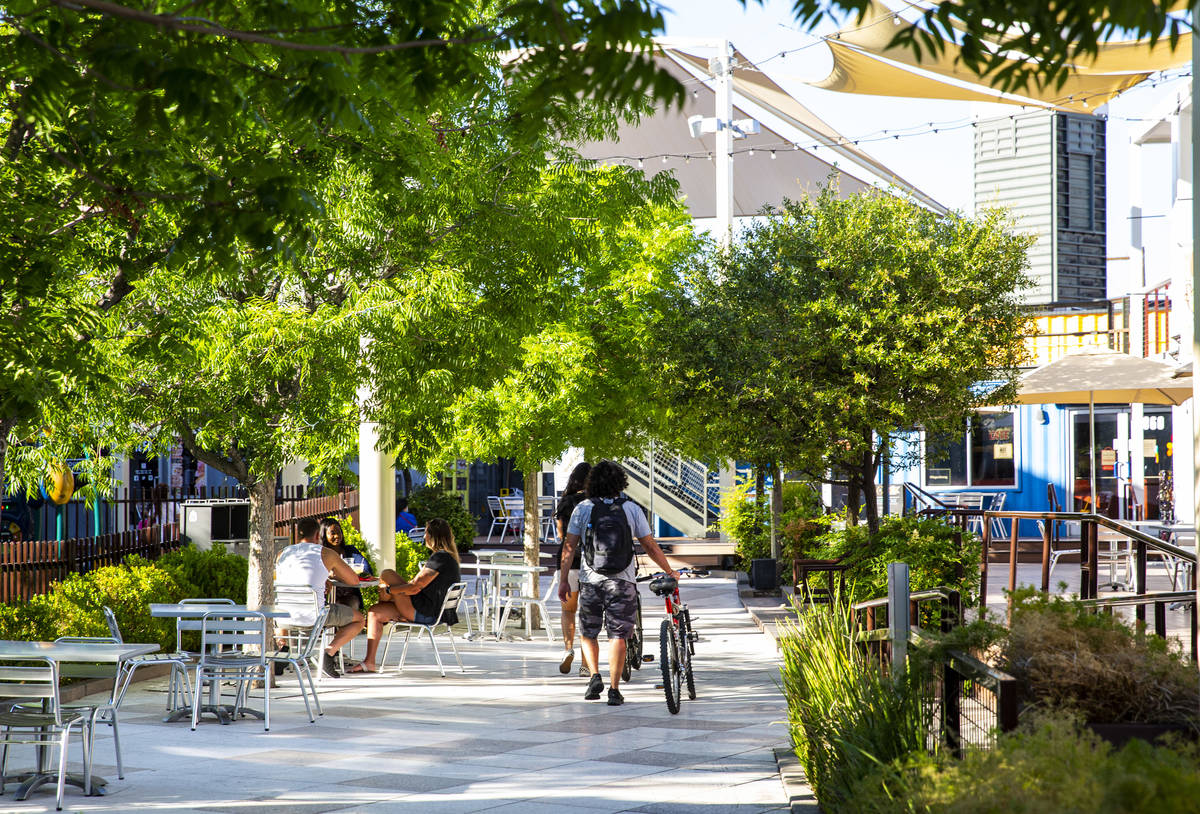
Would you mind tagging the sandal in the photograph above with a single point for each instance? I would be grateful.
(359, 668)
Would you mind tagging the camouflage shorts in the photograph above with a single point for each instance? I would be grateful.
(612, 603)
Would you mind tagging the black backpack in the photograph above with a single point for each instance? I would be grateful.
(608, 544)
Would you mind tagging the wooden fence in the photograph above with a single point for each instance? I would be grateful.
(28, 567)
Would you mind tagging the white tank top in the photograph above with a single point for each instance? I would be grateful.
(301, 564)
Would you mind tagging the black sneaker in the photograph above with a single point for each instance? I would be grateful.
(615, 699)
(278, 667)
(329, 666)
(594, 688)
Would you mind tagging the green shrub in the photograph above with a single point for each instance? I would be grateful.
(1054, 765)
(846, 717)
(75, 604)
(926, 544)
(747, 523)
(210, 574)
(431, 500)
(1067, 655)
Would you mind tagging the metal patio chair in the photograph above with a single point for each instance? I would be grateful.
(233, 649)
(450, 604)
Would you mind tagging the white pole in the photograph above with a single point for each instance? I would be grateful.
(1095, 507)
(1195, 288)
(376, 487)
(652, 526)
(723, 74)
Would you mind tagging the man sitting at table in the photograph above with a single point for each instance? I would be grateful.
(418, 601)
(307, 562)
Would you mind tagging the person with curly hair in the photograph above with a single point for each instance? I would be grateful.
(572, 496)
(607, 595)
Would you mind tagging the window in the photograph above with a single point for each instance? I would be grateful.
(983, 455)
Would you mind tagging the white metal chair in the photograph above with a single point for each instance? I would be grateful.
(449, 604)
(233, 649)
(299, 657)
(999, 529)
(179, 663)
(21, 686)
(531, 602)
(103, 712)
(416, 534)
(301, 602)
(184, 625)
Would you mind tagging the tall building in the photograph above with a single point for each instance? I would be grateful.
(1048, 169)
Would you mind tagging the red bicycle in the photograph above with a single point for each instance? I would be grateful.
(676, 642)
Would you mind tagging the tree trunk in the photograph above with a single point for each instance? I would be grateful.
(260, 584)
(869, 499)
(532, 545)
(760, 494)
(407, 474)
(776, 508)
(853, 491)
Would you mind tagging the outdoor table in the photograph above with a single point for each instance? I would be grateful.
(72, 653)
(496, 570)
(223, 713)
(334, 584)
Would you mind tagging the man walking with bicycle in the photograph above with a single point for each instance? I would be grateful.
(607, 525)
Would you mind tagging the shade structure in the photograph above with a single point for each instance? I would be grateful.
(1105, 376)
(866, 61)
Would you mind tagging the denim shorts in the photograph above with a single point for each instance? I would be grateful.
(423, 618)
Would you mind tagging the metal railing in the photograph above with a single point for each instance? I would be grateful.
(972, 702)
(690, 486)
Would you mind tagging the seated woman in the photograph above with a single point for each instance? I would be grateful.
(333, 537)
(418, 601)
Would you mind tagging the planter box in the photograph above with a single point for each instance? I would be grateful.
(1120, 734)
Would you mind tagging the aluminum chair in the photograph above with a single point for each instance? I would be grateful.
(103, 712)
(531, 602)
(301, 601)
(23, 686)
(233, 649)
(299, 659)
(184, 625)
(179, 663)
(449, 604)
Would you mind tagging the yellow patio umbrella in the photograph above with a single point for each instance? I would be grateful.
(1108, 377)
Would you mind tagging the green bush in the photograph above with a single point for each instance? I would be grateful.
(431, 500)
(846, 716)
(1054, 765)
(926, 544)
(747, 523)
(803, 521)
(74, 605)
(210, 574)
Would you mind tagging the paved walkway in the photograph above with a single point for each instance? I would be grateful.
(511, 735)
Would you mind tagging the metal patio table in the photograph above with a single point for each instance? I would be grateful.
(223, 712)
(69, 653)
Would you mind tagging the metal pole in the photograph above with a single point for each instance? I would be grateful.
(723, 74)
(1092, 451)
(1195, 310)
(899, 621)
(651, 475)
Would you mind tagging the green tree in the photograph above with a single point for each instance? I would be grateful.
(834, 322)
(136, 137)
(556, 317)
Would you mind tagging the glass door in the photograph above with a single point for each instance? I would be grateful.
(1108, 445)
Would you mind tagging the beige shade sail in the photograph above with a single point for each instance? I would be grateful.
(1117, 67)
(1104, 377)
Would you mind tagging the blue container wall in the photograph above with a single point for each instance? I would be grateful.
(1042, 450)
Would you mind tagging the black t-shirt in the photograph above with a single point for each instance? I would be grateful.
(566, 506)
(429, 600)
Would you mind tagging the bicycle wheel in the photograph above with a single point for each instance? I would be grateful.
(637, 643)
(688, 649)
(671, 673)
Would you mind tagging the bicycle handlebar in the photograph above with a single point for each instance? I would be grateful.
(683, 572)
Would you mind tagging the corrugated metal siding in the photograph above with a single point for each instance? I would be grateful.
(1014, 169)
(1082, 189)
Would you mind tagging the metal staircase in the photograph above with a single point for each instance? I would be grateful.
(686, 492)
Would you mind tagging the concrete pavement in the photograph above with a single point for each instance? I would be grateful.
(511, 735)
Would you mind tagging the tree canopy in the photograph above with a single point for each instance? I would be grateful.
(834, 322)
